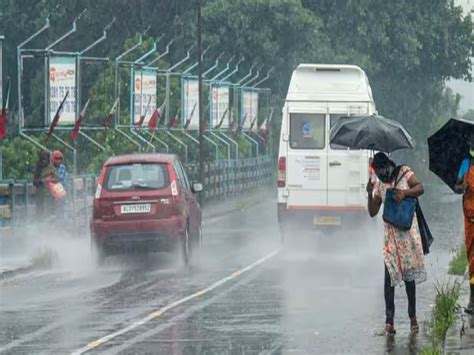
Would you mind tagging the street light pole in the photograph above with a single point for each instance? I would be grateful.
(201, 123)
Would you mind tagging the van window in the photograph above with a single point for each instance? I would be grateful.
(129, 177)
(307, 131)
(333, 120)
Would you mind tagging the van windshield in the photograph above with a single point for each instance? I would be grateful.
(307, 131)
(140, 176)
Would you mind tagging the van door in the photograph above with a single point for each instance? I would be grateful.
(307, 160)
(347, 173)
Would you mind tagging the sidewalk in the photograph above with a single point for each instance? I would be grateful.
(460, 337)
(12, 255)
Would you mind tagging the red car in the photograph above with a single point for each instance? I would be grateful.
(145, 201)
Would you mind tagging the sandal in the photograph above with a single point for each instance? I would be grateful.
(388, 330)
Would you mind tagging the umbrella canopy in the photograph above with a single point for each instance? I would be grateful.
(448, 147)
(371, 132)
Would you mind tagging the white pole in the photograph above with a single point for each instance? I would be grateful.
(2, 38)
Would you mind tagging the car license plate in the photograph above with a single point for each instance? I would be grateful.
(327, 221)
(143, 208)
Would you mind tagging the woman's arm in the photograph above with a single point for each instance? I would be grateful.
(373, 202)
(415, 189)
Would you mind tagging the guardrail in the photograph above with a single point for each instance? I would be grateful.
(221, 180)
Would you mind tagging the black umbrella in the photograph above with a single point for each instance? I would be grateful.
(371, 132)
(448, 147)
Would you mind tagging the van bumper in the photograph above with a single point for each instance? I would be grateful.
(316, 217)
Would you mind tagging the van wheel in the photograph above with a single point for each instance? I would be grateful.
(186, 246)
(283, 232)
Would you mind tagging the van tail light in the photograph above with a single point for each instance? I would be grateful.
(98, 191)
(282, 172)
(173, 183)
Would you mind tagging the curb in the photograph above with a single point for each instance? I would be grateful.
(454, 343)
(19, 271)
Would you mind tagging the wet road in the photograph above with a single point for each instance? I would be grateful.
(321, 295)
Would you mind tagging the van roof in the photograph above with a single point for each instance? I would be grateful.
(329, 82)
(139, 158)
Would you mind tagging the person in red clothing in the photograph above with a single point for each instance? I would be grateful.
(465, 186)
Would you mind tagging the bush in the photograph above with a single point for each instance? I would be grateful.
(443, 313)
(458, 264)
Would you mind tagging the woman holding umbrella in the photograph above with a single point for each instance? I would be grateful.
(465, 185)
(451, 151)
(403, 251)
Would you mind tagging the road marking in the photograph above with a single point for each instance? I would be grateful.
(151, 332)
(158, 313)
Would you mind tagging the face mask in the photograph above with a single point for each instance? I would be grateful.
(385, 174)
(471, 152)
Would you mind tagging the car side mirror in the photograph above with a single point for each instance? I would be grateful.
(197, 187)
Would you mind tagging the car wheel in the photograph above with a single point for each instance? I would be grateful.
(186, 246)
(199, 238)
(99, 253)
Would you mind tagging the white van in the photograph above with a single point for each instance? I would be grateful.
(320, 183)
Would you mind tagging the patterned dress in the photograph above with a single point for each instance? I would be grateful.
(403, 250)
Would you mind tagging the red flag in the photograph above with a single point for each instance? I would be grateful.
(253, 122)
(3, 117)
(3, 123)
(142, 117)
(263, 128)
(241, 125)
(152, 123)
(77, 126)
(190, 117)
(173, 123)
(154, 119)
(109, 119)
(55, 121)
(222, 119)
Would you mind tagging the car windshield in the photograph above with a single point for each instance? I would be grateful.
(139, 176)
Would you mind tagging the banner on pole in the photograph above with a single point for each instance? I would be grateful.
(190, 100)
(144, 93)
(62, 78)
(220, 106)
(249, 109)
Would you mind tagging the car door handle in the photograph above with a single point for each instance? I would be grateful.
(335, 163)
